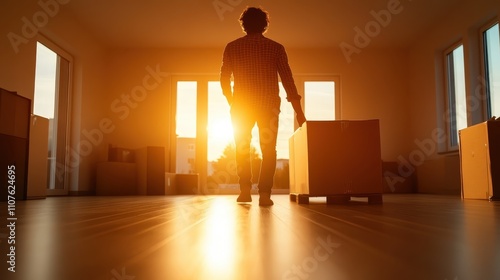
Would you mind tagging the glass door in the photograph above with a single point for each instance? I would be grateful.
(204, 143)
(51, 101)
(186, 127)
(221, 163)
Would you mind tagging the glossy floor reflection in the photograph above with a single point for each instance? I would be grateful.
(212, 237)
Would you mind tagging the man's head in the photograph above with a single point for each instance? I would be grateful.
(254, 20)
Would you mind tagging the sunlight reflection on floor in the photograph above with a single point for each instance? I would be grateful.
(219, 245)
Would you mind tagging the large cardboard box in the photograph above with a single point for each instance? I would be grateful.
(480, 161)
(116, 178)
(150, 170)
(336, 157)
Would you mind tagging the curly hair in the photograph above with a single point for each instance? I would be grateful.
(254, 20)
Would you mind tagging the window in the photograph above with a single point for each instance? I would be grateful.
(456, 94)
(285, 126)
(204, 136)
(45, 82)
(186, 126)
(491, 49)
(319, 100)
(52, 101)
(321, 97)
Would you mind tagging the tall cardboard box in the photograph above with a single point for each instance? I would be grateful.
(480, 161)
(336, 158)
(116, 178)
(150, 170)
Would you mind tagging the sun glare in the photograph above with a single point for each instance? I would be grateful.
(220, 135)
(219, 251)
(220, 130)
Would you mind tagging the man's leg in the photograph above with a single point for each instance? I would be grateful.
(268, 133)
(242, 127)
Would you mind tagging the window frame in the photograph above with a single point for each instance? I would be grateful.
(484, 67)
(301, 79)
(202, 81)
(452, 143)
(67, 83)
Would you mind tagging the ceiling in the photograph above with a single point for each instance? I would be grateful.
(212, 23)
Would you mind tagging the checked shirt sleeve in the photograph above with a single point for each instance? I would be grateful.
(286, 76)
(225, 72)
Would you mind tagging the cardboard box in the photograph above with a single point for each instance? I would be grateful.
(116, 178)
(170, 183)
(187, 183)
(150, 170)
(336, 157)
(117, 154)
(480, 161)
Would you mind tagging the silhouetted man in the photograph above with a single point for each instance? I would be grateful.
(255, 62)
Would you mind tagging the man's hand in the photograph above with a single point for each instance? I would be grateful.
(301, 119)
(229, 98)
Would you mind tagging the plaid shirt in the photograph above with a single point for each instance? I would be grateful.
(255, 62)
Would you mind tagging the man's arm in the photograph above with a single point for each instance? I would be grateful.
(292, 94)
(225, 77)
(301, 118)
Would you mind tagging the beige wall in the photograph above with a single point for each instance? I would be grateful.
(439, 172)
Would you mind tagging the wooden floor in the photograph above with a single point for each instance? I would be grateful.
(212, 237)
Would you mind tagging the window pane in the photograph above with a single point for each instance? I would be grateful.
(492, 59)
(186, 126)
(45, 82)
(221, 164)
(319, 100)
(52, 79)
(457, 105)
(186, 109)
(286, 126)
(220, 129)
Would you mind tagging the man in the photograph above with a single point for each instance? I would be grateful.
(255, 62)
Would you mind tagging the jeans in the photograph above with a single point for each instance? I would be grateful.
(267, 123)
